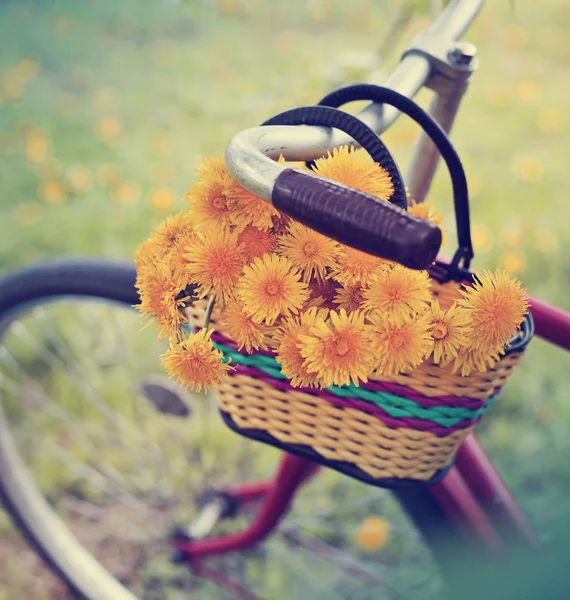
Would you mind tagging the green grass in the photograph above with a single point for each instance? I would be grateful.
(173, 82)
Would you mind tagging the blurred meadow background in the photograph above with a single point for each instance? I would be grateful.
(107, 107)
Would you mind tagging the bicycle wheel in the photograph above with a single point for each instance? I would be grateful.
(99, 460)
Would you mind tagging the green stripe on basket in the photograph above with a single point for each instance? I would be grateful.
(395, 406)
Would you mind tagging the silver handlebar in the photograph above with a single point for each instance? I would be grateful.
(250, 155)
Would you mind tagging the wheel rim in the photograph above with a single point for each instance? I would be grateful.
(120, 474)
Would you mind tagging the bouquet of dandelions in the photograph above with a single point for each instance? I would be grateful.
(332, 315)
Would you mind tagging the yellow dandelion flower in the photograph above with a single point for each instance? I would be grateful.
(398, 293)
(287, 343)
(497, 305)
(207, 197)
(401, 347)
(309, 251)
(167, 242)
(270, 287)
(161, 297)
(247, 208)
(350, 297)
(215, 263)
(256, 242)
(149, 253)
(424, 211)
(469, 360)
(338, 349)
(173, 229)
(353, 167)
(354, 266)
(450, 330)
(322, 293)
(240, 327)
(195, 363)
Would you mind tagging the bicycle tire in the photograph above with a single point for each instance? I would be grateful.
(81, 277)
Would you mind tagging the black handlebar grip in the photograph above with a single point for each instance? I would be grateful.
(357, 219)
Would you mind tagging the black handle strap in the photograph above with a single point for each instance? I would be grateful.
(357, 130)
(375, 93)
(348, 215)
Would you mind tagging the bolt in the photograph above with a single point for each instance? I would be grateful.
(462, 54)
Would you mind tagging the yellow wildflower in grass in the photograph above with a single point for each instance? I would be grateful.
(308, 250)
(322, 293)
(473, 359)
(338, 349)
(79, 179)
(109, 127)
(372, 534)
(215, 263)
(126, 192)
(159, 289)
(247, 208)
(497, 305)
(424, 211)
(398, 293)
(241, 328)
(450, 330)
(256, 242)
(207, 197)
(161, 199)
(399, 348)
(287, 344)
(528, 168)
(52, 192)
(350, 297)
(354, 167)
(354, 266)
(38, 147)
(195, 363)
(271, 287)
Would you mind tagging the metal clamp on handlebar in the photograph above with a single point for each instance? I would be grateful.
(451, 62)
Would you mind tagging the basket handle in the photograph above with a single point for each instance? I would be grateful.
(382, 95)
(352, 217)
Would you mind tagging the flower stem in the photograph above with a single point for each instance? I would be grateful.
(209, 310)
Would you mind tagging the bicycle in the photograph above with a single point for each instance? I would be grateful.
(464, 503)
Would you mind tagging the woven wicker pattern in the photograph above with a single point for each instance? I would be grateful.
(337, 433)
(446, 293)
(431, 380)
(397, 405)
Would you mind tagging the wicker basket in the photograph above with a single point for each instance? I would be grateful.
(399, 430)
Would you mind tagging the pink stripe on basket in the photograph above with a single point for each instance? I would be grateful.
(389, 386)
(357, 404)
